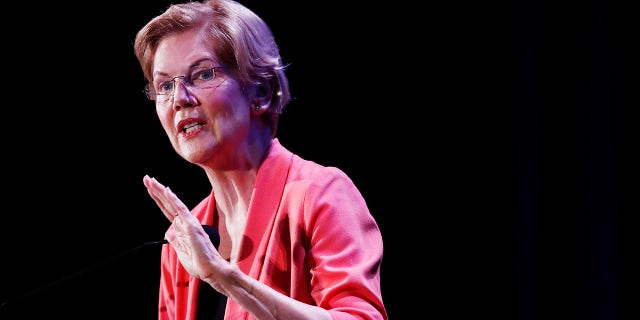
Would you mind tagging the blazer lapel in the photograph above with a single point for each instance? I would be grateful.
(269, 188)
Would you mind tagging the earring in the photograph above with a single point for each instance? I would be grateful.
(256, 107)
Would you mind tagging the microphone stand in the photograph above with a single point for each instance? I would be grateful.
(214, 236)
(79, 273)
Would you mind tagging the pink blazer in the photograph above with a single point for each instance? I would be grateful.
(309, 235)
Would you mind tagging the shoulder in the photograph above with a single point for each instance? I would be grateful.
(307, 172)
(319, 178)
(313, 188)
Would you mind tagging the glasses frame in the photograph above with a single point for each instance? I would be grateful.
(186, 79)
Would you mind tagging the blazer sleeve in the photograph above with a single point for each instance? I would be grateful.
(346, 249)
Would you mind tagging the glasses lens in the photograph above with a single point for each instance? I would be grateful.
(203, 78)
(162, 89)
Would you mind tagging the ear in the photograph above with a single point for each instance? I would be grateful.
(261, 100)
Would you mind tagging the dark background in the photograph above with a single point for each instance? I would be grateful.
(494, 143)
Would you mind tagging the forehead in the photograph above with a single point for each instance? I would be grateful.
(179, 52)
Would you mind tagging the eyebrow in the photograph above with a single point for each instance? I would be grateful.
(193, 65)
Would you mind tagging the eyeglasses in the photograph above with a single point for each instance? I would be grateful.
(198, 78)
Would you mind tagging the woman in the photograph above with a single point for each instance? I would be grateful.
(296, 239)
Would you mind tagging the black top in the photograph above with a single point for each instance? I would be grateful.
(211, 303)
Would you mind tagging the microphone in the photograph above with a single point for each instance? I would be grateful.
(210, 230)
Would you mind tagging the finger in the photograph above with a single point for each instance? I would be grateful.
(175, 205)
(156, 192)
(168, 213)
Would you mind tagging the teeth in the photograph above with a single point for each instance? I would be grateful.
(191, 127)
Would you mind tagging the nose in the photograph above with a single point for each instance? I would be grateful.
(182, 97)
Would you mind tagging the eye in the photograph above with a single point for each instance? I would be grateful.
(204, 75)
(165, 87)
